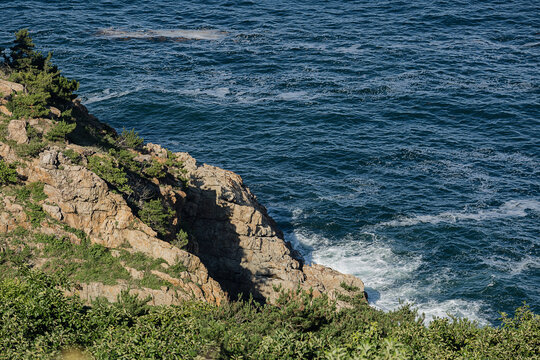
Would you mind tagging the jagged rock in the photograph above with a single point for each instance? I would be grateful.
(4, 110)
(53, 211)
(7, 87)
(86, 202)
(17, 131)
(55, 112)
(241, 244)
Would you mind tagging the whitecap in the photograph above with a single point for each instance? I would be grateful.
(512, 208)
(472, 310)
(292, 95)
(389, 278)
(106, 94)
(512, 267)
(170, 34)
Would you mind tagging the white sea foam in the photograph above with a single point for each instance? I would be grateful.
(512, 267)
(106, 95)
(219, 92)
(292, 95)
(389, 278)
(471, 310)
(512, 208)
(171, 34)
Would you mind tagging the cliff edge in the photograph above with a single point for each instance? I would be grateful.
(163, 224)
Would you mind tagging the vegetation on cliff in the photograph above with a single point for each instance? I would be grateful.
(43, 258)
(39, 322)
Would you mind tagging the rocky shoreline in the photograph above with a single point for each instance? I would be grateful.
(235, 247)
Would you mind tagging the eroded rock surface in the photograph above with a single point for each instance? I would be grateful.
(236, 247)
(241, 244)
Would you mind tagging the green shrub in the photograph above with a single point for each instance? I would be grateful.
(125, 158)
(8, 174)
(39, 322)
(73, 156)
(156, 215)
(32, 149)
(35, 214)
(182, 239)
(33, 105)
(154, 170)
(130, 139)
(38, 74)
(60, 130)
(108, 170)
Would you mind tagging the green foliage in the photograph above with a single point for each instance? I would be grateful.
(8, 174)
(35, 214)
(84, 262)
(44, 84)
(107, 169)
(60, 130)
(182, 239)
(130, 139)
(36, 191)
(176, 167)
(32, 149)
(73, 156)
(125, 158)
(32, 105)
(140, 261)
(29, 196)
(154, 170)
(156, 215)
(38, 322)
(152, 281)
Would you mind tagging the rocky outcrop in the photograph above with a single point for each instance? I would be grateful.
(236, 247)
(8, 87)
(240, 243)
(84, 201)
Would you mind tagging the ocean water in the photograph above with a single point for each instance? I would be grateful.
(395, 141)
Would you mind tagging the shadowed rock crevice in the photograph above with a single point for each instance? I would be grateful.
(241, 245)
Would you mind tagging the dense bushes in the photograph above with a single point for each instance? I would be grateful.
(8, 174)
(37, 321)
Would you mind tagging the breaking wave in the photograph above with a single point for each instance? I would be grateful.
(512, 208)
(180, 34)
(390, 278)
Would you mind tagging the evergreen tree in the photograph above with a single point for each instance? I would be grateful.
(45, 86)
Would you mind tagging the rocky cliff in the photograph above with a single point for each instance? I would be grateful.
(216, 241)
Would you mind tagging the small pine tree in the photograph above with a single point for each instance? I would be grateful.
(37, 73)
(7, 173)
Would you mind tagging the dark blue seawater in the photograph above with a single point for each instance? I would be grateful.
(398, 142)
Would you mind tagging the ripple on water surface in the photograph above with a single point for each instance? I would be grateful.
(397, 142)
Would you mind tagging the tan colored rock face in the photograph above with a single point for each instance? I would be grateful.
(7, 87)
(82, 200)
(242, 246)
(17, 131)
(239, 248)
